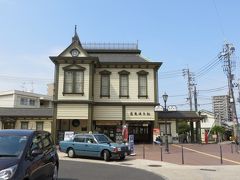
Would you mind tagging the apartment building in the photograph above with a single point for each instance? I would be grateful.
(221, 107)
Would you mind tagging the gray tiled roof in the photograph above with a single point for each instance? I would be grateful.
(26, 112)
(108, 57)
(179, 115)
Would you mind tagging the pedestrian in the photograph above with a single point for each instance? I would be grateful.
(185, 138)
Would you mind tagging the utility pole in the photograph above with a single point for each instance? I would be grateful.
(195, 98)
(237, 85)
(225, 55)
(190, 79)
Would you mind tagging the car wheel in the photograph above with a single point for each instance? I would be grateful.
(71, 153)
(106, 155)
(55, 173)
(122, 157)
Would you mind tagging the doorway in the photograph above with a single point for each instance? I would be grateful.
(142, 131)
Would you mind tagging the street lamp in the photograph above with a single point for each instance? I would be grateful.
(165, 97)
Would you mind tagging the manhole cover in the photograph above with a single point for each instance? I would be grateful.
(126, 164)
(208, 169)
(154, 165)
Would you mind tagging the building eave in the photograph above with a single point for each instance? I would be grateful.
(113, 51)
(71, 60)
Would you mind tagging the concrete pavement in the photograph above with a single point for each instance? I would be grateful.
(177, 171)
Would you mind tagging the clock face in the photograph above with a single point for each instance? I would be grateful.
(75, 52)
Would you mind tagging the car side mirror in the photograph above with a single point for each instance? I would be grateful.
(36, 152)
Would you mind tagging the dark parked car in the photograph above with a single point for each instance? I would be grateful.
(27, 155)
(94, 145)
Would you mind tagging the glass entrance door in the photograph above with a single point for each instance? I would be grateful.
(141, 131)
(110, 131)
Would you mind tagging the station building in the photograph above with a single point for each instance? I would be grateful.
(103, 87)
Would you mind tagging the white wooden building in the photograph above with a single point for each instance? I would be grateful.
(101, 87)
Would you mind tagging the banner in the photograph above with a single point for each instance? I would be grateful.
(131, 145)
(125, 133)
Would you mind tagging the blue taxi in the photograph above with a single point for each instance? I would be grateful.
(94, 145)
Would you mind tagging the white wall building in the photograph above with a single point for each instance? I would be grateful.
(22, 99)
(25, 110)
(101, 87)
(206, 124)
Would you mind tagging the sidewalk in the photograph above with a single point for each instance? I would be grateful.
(199, 164)
(193, 154)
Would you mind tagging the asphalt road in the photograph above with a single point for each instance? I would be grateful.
(74, 170)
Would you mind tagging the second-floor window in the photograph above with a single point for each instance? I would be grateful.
(142, 84)
(24, 101)
(105, 84)
(31, 102)
(27, 102)
(74, 80)
(123, 84)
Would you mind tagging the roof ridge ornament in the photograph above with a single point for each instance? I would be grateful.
(75, 38)
(75, 29)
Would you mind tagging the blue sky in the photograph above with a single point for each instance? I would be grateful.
(181, 34)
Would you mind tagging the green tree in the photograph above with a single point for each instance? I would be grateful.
(218, 130)
(183, 127)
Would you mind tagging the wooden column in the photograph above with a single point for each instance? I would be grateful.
(192, 132)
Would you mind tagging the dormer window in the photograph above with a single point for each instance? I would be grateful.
(73, 79)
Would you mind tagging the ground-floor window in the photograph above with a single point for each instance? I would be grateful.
(73, 125)
(162, 129)
(108, 130)
(9, 125)
(24, 125)
(39, 126)
(142, 131)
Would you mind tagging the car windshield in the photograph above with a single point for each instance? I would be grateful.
(12, 145)
(102, 138)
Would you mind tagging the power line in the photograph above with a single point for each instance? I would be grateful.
(184, 104)
(214, 89)
(17, 78)
(170, 74)
(208, 67)
(178, 95)
(167, 77)
(199, 97)
(204, 104)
